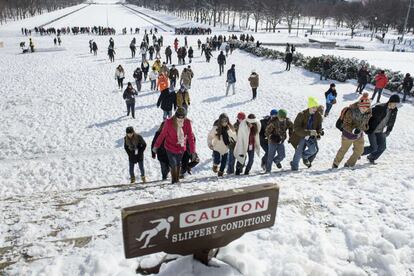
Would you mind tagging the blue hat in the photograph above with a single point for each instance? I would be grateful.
(273, 112)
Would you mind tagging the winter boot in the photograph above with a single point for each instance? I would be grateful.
(371, 161)
(215, 168)
(143, 179)
(334, 166)
(132, 179)
(278, 165)
(307, 163)
(220, 174)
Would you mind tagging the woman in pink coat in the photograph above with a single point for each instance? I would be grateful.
(176, 133)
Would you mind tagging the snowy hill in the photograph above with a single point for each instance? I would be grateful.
(63, 123)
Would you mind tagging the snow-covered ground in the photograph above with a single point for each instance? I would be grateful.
(63, 123)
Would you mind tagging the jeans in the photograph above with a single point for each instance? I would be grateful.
(120, 82)
(173, 82)
(306, 148)
(230, 165)
(406, 92)
(141, 168)
(165, 169)
(379, 90)
(287, 66)
(131, 108)
(361, 87)
(169, 59)
(272, 150)
(377, 145)
(221, 68)
(167, 114)
(239, 166)
(151, 56)
(228, 88)
(254, 91)
(153, 85)
(328, 108)
(143, 57)
(138, 83)
(174, 159)
(220, 159)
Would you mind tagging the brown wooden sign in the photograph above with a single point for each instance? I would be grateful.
(198, 223)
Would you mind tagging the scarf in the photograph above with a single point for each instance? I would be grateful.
(180, 133)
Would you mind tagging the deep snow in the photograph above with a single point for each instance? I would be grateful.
(63, 121)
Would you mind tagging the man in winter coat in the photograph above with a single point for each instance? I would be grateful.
(326, 67)
(330, 97)
(288, 59)
(262, 134)
(355, 122)
(94, 48)
(134, 146)
(254, 83)
(363, 77)
(173, 76)
(383, 116)
(111, 54)
(186, 77)
(168, 54)
(221, 137)
(407, 85)
(190, 54)
(129, 96)
(138, 78)
(183, 98)
(176, 134)
(208, 54)
(381, 81)
(231, 80)
(221, 59)
(167, 101)
(151, 52)
(276, 136)
(307, 128)
(162, 84)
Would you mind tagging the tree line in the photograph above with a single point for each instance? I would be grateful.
(377, 15)
(21, 9)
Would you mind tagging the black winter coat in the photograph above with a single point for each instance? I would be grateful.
(137, 75)
(262, 135)
(363, 76)
(167, 100)
(221, 59)
(289, 58)
(378, 114)
(161, 153)
(132, 157)
(129, 95)
(408, 83)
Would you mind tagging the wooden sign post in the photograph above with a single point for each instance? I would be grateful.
(198, 224)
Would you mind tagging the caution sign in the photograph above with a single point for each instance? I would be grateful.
(197, 223)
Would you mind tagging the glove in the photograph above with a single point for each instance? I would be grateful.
(313, 132)
(154, 150)
(357, 131)
(154, 155)
(387, 133)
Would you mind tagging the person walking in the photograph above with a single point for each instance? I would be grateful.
(190, 54)
(167, 101)
(220, 139)
(221, 60)
(129, 96)
(133, 48)
(145, 69)
(94, 48)
(162, 84)
(134, 146)
(175, 134)
(168, 54)
(231, 80)
(111, 54)
(231, 159)
(407, 85)
(288, 59)
(355, 122)
(173, 76)
(183, 98)
(381, 125)
(138, 78)
(248, 143)
(307, 127)
(143, 52)
(120, 76)
(381, 82)
(363, 77)
(254, 83)
(330, 97)
(153, 76)
(263, 139)
(186, 77)
(276, 133)
(161, 154)
(326, 68)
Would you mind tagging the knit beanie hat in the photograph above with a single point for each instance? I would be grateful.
(181, 112)
(273, 112)
(241, 116)
(282, 113)
(312, 102)
(394, 99)
(364, 101)
(130, 129)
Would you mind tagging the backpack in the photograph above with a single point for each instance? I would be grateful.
(340, 122)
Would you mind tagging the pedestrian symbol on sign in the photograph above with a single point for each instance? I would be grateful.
(163, 224)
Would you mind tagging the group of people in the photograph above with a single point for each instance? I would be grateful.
(234, 146)
(193, 31)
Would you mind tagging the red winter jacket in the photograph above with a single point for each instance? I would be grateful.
(169, 134)
(381, 81)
